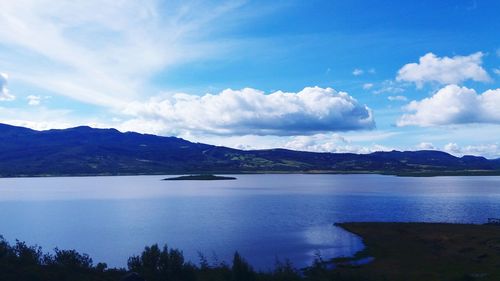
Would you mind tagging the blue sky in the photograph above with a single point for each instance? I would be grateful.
(337, 76)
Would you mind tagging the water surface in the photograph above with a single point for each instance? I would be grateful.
(263, 216)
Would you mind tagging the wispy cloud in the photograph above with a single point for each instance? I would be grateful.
(104, 52)
(357, 72)
(35, 100)
(389, 87)
(45, 118)
(397, 98)
(367, 86)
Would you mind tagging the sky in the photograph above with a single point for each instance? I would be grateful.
(327, 76)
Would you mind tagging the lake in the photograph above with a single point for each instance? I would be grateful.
(264, 217)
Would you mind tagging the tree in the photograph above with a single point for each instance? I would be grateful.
(241, 270)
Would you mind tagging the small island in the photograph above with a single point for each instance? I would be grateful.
(199, 178)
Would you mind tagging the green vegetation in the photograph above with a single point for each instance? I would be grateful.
(199, 178)
(400, 251)
(427, 251)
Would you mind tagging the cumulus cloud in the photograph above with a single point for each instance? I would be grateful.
(5, 95)
(486, 150)
(454, 105)
(250, 111)
(444, 70)
(426, 146)
(452, 148)
(397, 98)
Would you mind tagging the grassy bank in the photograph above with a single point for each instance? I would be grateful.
(427, 251)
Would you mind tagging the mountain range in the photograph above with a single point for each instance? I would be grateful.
(82, 151)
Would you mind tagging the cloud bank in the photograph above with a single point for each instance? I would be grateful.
(491, 151)
(444, 70)
(333, 143)
(454, 105)
(250, 111)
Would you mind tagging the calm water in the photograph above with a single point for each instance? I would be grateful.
(262, 216)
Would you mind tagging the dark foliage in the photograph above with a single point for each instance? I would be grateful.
(20, 262)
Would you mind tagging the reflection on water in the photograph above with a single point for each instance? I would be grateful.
(331, 241)
(263, 216)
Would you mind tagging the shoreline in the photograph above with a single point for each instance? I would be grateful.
(426, 174)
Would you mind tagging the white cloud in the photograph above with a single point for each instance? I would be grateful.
(34, 100)
(316, 143)
(426, 146)
(397, 98)
(454, 105)
(491, 151)
(389, 87)
(370, 136)
(332, 143)
(250, 111)
(38, 118)
(367, 86)
(452, 148)
(444, 70)
(357, 72)
(496, 71)
(355, 141)
(104, 52)
(5, 95)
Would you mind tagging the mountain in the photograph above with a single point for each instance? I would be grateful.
(88, 151)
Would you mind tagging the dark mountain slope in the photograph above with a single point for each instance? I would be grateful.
(88, 151)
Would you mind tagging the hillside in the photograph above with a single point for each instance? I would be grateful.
(89, 151)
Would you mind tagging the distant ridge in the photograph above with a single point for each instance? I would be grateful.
(82, 151)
